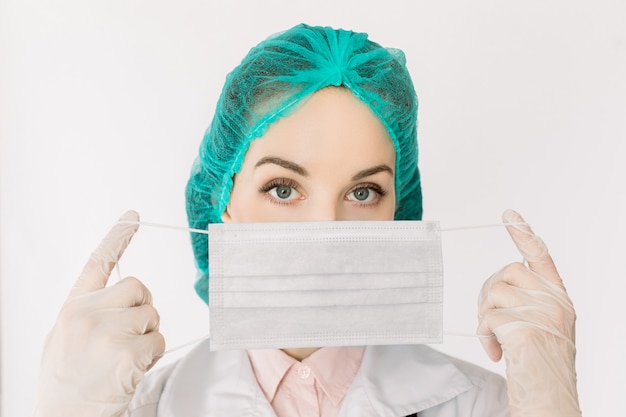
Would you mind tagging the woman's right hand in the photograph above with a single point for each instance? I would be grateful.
(104, 340)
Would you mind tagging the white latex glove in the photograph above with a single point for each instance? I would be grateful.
(532, 318)
(104, 340)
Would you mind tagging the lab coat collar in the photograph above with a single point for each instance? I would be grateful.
(405, 379)
(219, 383)
(392, 381)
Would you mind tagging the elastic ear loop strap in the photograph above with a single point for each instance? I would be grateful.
(206, 232)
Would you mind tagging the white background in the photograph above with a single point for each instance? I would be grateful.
(103, 105)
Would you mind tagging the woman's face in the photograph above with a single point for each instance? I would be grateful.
(332, 159)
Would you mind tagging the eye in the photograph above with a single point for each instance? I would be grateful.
(361, 194)
(366, 194)
(281, 190)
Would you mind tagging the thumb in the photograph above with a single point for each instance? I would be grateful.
(96, 272)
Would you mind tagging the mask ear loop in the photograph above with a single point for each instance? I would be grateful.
(206, 232)
(485, 226)
(481, 226)
(117, 271)
(158, 225)
(165, 226)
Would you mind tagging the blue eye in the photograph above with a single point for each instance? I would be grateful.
(366, 194)
(282, 192)
(363, 195)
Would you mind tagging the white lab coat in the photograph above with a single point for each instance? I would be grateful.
(393, 381)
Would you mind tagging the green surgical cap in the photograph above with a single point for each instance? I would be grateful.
(272, 79)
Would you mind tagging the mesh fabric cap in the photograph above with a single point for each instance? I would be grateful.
(270, 82)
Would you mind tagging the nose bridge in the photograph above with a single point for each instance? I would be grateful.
(324, 208)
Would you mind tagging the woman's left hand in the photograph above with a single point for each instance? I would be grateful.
(525, 313)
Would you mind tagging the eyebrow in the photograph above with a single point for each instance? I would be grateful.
(372, 171)
(292, 166)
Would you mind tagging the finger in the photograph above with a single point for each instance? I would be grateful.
(487, 338)
(532, 248)
(495, 296)
(129, 292)
(502, 295)
(136, 320)
(502, 290)
(102, 260)
(492, 347)
(492, 328)
(516, 274)
(139, 356)
(513, 275)
(154, 344)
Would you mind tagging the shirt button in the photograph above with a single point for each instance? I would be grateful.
(304, 372)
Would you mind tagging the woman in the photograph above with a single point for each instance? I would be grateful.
(335, 118)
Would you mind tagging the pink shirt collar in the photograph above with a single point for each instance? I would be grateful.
(334, 369)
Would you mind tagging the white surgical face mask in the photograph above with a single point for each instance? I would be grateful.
(339, 283)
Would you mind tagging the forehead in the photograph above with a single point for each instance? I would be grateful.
(331, 123)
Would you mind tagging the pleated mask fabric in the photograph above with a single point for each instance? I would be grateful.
(314, 284)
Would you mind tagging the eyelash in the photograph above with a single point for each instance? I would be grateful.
(278, 182)
(371, 186)
(287, 182)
